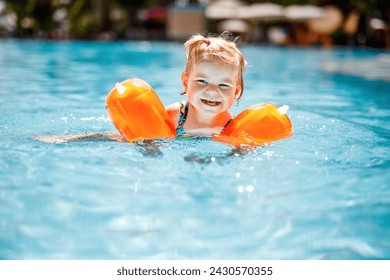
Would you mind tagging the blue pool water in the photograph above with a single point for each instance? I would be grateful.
(322, 194)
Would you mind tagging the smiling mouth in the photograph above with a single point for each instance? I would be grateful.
(210, 103)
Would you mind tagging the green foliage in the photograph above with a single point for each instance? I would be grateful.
(82, 19)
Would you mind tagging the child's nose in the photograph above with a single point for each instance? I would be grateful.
(212, 89)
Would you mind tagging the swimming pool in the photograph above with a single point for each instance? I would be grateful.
(322, 194)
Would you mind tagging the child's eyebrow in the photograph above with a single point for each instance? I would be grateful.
(228, 80)
(202, 75)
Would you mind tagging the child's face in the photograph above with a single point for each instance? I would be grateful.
(212, 87)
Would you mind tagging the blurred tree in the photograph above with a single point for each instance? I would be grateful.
(105, 10)
(90, 18)
(131, 8)
(32, 16)
(83, 20)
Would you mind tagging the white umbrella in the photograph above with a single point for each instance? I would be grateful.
(303, 12)
(234, 25)
(351, 23)
(332, 20)
(261, 12)
(377, 24)
(223, 9)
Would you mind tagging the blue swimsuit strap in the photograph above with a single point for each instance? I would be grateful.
(182, 119)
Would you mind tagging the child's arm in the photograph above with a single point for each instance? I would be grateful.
(90, 136)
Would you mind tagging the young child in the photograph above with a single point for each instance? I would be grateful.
(212, 80)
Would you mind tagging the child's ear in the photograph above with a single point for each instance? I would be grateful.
(184, 79)
(237, 94)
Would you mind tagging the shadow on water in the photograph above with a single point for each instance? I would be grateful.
(152, 148)
(149, 148)
(83, 137)
(221, 158)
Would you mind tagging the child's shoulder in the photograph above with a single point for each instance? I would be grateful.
(174, 107)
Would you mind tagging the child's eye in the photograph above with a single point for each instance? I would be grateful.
(202, 81)
(224, 86)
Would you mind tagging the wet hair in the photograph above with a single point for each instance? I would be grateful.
(221, 48)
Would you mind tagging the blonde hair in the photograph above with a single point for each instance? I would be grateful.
(221, 48)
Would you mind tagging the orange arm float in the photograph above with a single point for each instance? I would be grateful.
(137, 112)
(257, 125)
